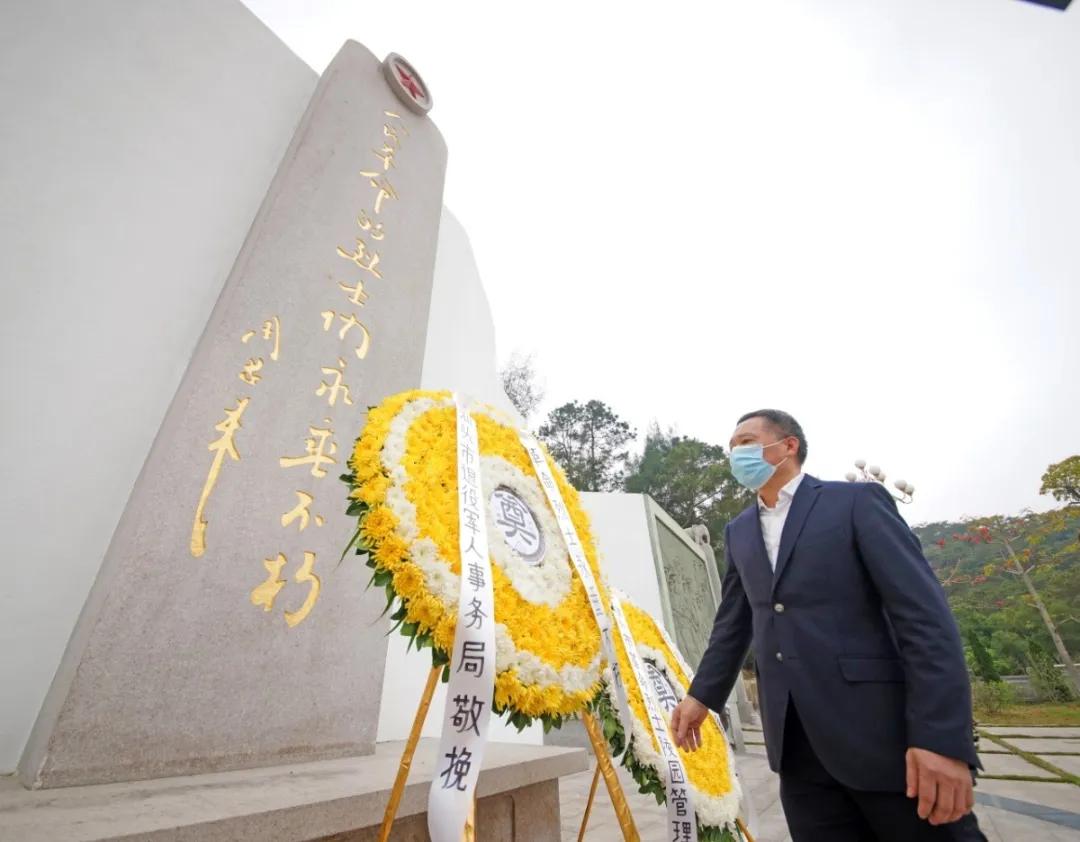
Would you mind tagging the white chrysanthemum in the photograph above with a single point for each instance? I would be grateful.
(546, 581)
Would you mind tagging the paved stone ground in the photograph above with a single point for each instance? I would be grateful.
(1008, 810)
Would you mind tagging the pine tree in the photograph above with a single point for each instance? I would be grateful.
(984, 663)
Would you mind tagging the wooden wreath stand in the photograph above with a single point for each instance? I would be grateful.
(604, 767)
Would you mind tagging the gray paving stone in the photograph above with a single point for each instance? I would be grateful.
(1041, 744)
(1070, 763)
(1011, 764)
(1003, 826)
(1060, 796)
(1033, 731)
(763, 785)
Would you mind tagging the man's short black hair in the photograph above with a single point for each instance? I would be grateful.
(785, 424)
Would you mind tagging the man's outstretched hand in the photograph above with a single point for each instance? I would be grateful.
(686, 722)
(942, 785)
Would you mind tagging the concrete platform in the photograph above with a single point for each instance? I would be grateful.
(342, 800)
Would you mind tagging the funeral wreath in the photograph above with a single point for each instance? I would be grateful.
(714, 789)
(403, 491)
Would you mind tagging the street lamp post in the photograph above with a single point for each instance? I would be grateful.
(874, 474)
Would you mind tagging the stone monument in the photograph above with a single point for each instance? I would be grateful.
(222, 577)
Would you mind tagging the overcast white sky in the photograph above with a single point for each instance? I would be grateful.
(867, 214)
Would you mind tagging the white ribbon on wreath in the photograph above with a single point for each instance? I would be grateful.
(682, 821)
(581, 564)
(471, 689)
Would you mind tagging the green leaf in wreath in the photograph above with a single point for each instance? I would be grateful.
(351, 544)
(390, 597)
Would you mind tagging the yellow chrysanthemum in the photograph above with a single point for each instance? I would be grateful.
(408, 579)
(372, 491)
(390, 552)
(404, 469)
(379, 524)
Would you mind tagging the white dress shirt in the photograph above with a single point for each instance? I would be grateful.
(772, 519)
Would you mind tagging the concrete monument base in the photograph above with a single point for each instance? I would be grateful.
(330, 801)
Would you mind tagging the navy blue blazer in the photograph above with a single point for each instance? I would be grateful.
(853, 627)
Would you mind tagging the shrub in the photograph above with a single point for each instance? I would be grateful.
(1047, 680)
(990, 697)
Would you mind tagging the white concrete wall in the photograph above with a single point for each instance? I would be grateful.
(139, 137)
(460, 352)
(620, 523)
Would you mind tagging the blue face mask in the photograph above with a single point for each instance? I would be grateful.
(749, 467)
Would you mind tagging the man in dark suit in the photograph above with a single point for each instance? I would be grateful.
(862, 684)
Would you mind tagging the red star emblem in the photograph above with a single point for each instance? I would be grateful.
(410, 84)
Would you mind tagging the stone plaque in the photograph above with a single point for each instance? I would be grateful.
(689, 591)
(222, 632)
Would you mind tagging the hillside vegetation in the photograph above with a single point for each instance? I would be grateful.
(992, 604)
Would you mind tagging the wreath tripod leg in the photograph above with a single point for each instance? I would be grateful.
(469, 832)
(611, 778)
(589, 803)
(407, 755)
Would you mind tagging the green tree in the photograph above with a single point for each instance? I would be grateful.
(998, 607)
(1020, 547)
(1062, 479)
(692, 481)
(590, 442)
(984, 663)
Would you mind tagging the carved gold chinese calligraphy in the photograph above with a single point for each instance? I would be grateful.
(302, 511)
(305, 574)
(319, 450)
(220, 447)
(267, 591)
(225, 445)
